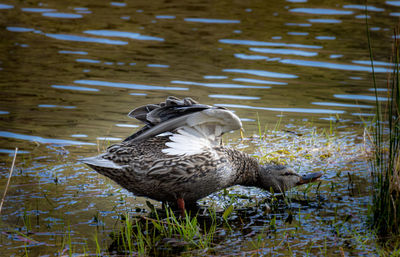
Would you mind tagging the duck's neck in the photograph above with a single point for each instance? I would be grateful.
(247, 168)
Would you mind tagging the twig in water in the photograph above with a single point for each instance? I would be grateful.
(9, 178)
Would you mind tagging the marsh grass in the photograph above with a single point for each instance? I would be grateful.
(143, 235)
(385, 167)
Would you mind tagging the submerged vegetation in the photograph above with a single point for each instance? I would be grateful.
(386, 145)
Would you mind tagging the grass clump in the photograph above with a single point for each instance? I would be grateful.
(385, 166)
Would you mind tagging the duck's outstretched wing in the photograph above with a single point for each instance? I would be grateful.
(175, 114)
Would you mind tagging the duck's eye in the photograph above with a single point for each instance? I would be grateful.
(287, 173)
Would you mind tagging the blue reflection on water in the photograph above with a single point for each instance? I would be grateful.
(394, 3)
(238, 97)
(155, 65)
(86, 39)
(75, 88)
(118, 4)
(298, 24)
(262, 73)
(87, 60)
(72, 52)
(329, 65)
(362, 7)
(324, 21)
(56, 106)
(321, 11)
(325, 37)
(205, 20)
(378, 89)
(19, 29)
(362, 16)
(283, 51)
(262, 43)
(335, 56)
(41, 139)
(6, 6)
(114, 33)
(125, 85)
(62, 15)
(78, 135)
(11, 152)
(251, 57)
(360, 97)
(300, 110)
(343, 105)
(259, 81)
(375, 63)
(37, 10)
(214, 77)
(216, 85)
(298, 33)
(165, 17)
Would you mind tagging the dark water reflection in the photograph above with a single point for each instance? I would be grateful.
(70, 71)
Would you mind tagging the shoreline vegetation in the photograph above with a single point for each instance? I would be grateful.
(385, 166)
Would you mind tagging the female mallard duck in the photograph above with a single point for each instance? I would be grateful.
(178, 156)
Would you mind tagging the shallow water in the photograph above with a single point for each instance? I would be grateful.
(71, 71)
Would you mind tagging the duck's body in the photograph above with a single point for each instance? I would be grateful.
(178, 155)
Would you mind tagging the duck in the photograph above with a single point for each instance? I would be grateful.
(178, 157)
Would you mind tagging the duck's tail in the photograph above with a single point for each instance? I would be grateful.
(101, 165)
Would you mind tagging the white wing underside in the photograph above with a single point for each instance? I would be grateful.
(201, 131)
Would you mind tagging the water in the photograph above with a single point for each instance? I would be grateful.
(71, 71)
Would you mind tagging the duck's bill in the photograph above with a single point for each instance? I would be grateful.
(308, 178)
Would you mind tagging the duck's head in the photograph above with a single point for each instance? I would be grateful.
(280, 178)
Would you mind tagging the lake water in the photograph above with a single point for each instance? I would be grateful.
(70, 71)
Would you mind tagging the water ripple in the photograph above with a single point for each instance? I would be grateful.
(204, 20)
(62, 15)
(283, 51)
(360, 97)
(330, 65)
(237, 97)
(75, 88)
(394, 3)
(19, 29)
(262, 43)
(41, 140)
(216, 85)
(324, 21)
(370, 8)
(299, 110)
(262, 73)
(343, 105)
(321, 11)
(165, 17)
(85, 39)
(72, 52)
(114, 33)
(125, 85)
(37, 10)
(6, 6)
(259, 81)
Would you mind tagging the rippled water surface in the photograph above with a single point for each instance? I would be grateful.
(70, 71)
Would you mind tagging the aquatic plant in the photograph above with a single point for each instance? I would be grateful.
(385, 167)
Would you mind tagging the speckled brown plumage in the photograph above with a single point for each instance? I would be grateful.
(153, 165)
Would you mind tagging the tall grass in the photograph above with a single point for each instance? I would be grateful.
(385, 166)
